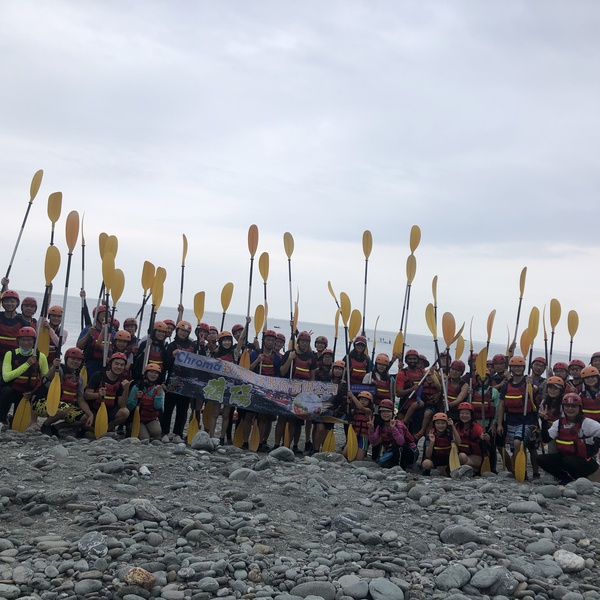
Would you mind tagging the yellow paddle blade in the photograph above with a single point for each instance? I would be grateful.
(295, 324)
(367, 243)
(108, 270)
(460, 347)
(411, 268)
(448, 328)
(266, 315)
(54, 206)
(226, 295)
(507, 343)
(245, 359)
(102, 243)
(158, 287)
(22, 416)
(263, 266)
(118, 286)
(481, 364)
(112, 245)
(555, 311)
(199, 305)
(185, 250)
(147, 276)
(375, 330)
(53, 397)
(434, 283)
(252, 240)
(490, 325)
(193, 428)
(521, 465)
(398, 343)
(135, 426)
(43, 341)
(355, 321)
(329, 442)
(485, 465)
(36, 181)
(72, 230)
(522, 282)
(238, 436)
(51, 264)
(101, 423)
(259, 318)
(454, 460)
(330, 288)
(415, 238)
(254, 441)
(572, 323)
(207, 414)
(534, 322)
(336, 323)
(471, 335)
(288, 244)
(84, 375)
(345, 307)
(352, 443)
(430, 319)
(82, 236)
(525, 343)
(544, 323)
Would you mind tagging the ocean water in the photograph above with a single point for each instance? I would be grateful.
(383, 343)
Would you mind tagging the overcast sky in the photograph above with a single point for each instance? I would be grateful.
(477, 121)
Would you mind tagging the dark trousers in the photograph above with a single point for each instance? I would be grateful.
(180, 404)
(567, 467)
(8, 398)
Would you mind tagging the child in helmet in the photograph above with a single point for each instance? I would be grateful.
(590, 393)
(150, 397)
(551, 405)
(438, 444)
(361, 412)
(392, 435)
(471, 435)
(155, 348)
(10, 321)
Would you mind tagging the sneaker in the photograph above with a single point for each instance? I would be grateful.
(177, 439)
(165, 439)
(264, 448)
(221, 441)
(308, 447)
(297, 450)
(536, 475)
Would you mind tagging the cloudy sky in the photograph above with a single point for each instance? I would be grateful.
(477, 121)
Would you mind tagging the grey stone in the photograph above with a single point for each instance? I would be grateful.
(243, 506)
(144, 509)
(59, 497)
(495, 581)
(283, 454)
(113, 466)
(569, 562)
(325, 589)
(459, 534)
(202, 441)
(541, 546)
(208, 584)
(549, 491)
(124, 511)
(526, 506)
(88, 586)
(244, 474)
(454, 576)
(463, 472)
(583, 486)
(10, 592)
(345, 522)
(381, 588)
(22, 574)
(93, 544)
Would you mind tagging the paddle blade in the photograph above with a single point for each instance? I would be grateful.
(263, 266)
(185, 250)
(555, 311)
(355, 322)
(481, 364)
(521, 465)
(199, 306)
(398, 346)
(287, 438)
(352, 449)
(448, 328)
(430, 320)
(367, 243)
(295, 322)
(288, 244)
(454, 460)
(84, 375)
(108, 270)
(193, 428)
(345, 308)
(490, 325)
(112, 245)
(22, 416)
(460, 347)
(252, 240)
(534, 322)
(525, 343)
(101, 423)
(485, 465)
(544, 323)
(329, 442)
(330, 288)
(226, 295)
(471, 335)
(572, 323)
(147, 276)
(102, 243)
(135, 426)
(259, 318)
(245, 359)
(415, 238)
(522, 282)
(43, 341)
(36, 181)
(254, 441)
(207, 414)
(158, 287)
(434, 283)
(336, 325)
(51, 264)
(53, 397)
(238, 436)
(54, 206)
(118, 286)
(458, 333)
(72, 229)
(411, 268)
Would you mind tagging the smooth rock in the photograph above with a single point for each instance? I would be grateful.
(325, 589)
(569, 562)
(454, 576)
(381, 588)
(144, 509)
(526, 506)
(202, 441)
(495, 581)
(283, 454)
(459, 534)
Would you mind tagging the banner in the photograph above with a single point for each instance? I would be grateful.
(229, 384)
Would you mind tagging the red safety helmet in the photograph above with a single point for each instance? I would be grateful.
(517, 361)
(411, 352)
(572, 399)
(116, 324)
(29, 300)
(98, 309)
(327, 351)
(499, 358)
(55, 310)
(169, 322)
(589, 372)
(130, 321)
(11, 294)
(382, 359)
(74, 353)
(153, 367)
(281, 337)
(466, 406)
(117, 355)
(560, 365)
(539, 359)
(595, 355)
(269, 333)
(123, 335)
(304, 335)
(360, 339)
(423, 358)
(185, 326)
(321, 339)
(576, 362)
(213, 329)
(458, 365)
(237, 327)
(386, 405)
(26, 332)
(203, 327)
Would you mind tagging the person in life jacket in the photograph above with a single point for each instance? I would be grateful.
(574, 383)
(111, 388)
(397, 445)
(22, 371)
(500, 375)
(150, 397)
(156, 351)
(361, 412)
(486, 401)
(595, 360)
(73, 410)
(334, 407)
(471, 435)
(90, 341)
(301, 365)
(408, 381)
(359, 362)
(577, 441)
(520, 417)
(10, 322)
(175, 402)
(321, 343)
(590, 394)
(280, 343)
(170, 328)
(130, 325)
(456, 388)
(551, 404)
(561, 369)
(122, 343)
(54, 326)
(438, 444)
(28, 309)
(323, 371)
(212, 344)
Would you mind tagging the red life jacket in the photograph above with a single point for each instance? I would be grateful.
(93, 349)
(568, 441)
(267, 366)
(515, 396)
(146, 402)
(453, 389)
(360, 423)
(31, 379)
(591, 405)
(68, 388)
(442, 444)
(382, 391)
(113, 390)
(470, 437)
(408, 378)
(489, 410)
(156, 356)
(8, 333)
(302, 367)
(358, 370)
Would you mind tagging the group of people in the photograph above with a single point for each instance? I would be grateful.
(513, 408)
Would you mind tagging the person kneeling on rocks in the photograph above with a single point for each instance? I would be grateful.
(150, 397)
(577, 441)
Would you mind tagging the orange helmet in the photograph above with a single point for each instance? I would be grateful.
(55, 310)
(589, 372)
(224, 334)
(339, 363)
(160, 326)
(185, 325)
(518, 361)
(123, 335)
(382, 359)
(11, 294)
(366, 395)
(153, 367)
(440, 417)
(554, 380)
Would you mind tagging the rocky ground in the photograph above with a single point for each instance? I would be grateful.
(132, 520)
